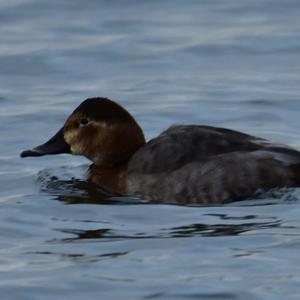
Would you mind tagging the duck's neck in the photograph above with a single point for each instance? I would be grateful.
(110, 178)
(109, 169)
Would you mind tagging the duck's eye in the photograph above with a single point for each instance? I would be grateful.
(83, 121)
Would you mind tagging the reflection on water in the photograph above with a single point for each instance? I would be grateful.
(176, 232)
(220, 229)
(79, 258)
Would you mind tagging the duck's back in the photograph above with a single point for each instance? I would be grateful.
(204, 164)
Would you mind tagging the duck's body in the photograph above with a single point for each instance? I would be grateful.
(209, 165)
(188, 163)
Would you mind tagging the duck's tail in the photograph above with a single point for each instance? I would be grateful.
(295, 168)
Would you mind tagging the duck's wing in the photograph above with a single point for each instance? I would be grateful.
(180, 145)
(224, 178)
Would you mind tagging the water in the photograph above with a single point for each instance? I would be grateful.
(227, 63)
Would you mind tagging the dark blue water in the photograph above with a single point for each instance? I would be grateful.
(227, 63)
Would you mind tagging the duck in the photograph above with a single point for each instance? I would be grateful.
(184, 164)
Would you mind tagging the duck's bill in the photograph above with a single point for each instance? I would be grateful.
(55, 145)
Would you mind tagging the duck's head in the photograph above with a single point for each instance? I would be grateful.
(99, 129)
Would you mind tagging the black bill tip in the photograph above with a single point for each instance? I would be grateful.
(31, 152)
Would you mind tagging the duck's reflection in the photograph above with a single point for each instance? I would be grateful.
(191, 230)
(220, 229)
(80, 257)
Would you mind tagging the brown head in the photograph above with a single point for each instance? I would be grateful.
(99, 129)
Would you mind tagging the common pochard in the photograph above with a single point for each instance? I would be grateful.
(184, 164)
